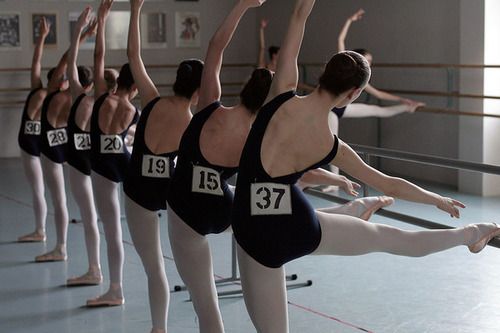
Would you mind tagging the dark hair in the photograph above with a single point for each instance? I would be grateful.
(255, 91)
(85, 76)
(125, 79)
(188, 78)
(110, 76)
(363, 52)
(273, 50)
(50, 73)
(344, 71)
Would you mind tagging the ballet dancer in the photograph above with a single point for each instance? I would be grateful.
(199, 198)
(272, 220)
(112, 116)
(78, 154)
(29, 138)
(163, 121)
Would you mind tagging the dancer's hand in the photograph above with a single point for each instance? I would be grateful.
(450, 206)
(84, 18)
(44, 27)
(350, 187)
(357, 16)
(91, 28)
(104, 9)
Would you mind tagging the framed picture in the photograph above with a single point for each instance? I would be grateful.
(187, 29)
(9, 31)
(73, 18)
(52, 20)
(154, 30)
(117, 30)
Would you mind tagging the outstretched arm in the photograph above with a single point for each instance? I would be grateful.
(345, 29)
(210, 89)
(321, 176)
(348, 161)
(36, 64)
(262, 44)
(287, 72)
(146, 87)
(383, 95)
(100, 48)
(82, 22)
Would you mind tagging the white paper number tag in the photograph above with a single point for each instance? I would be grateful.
(155, 166)
(206, 180)
(82, 141)
(111, 144)
(57, 137)
(32, 127)
(270, 199)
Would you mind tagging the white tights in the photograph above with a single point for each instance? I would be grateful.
(264, 288)
(108, 208)
(145, 232)
(81, 188)
(54, 178)
(194, 263)
(34, 173)
(359, 110)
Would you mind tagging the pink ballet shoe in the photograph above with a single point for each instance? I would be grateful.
(51, 256)
(380, 202)
(103, 301)
(32, 238)
(483, 241)
(86, 279)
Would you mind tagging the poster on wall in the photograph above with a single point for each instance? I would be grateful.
(9, 31)
(154, 30)
(51, 18)
(187, 29)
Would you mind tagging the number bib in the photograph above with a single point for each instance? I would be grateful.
(270, 199)
(32, 127)
(82, 141)
(155, 166)
(111, 144)
(57, 137)
(206, 180)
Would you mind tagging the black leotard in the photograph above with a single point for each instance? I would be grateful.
(78, 154)
(29, 133)
(108, 155)
(205, 203)
(148, 175)
(284, 225)
(54, 140)
(339, 112)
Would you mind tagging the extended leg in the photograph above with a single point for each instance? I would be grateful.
(359, 110)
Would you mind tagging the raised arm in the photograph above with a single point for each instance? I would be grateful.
(345, 29)
(36, 64)
(146, 87)
(74, 81)
(383, 95)
(287, 72)
(262, 43)
(348, 161)
(210, 89)
(100, 48)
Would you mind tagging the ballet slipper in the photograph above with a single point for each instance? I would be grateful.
(479, 245)
(87, 279)
(32, 237)
(51, 256)
(370, 209)
(105, 301)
